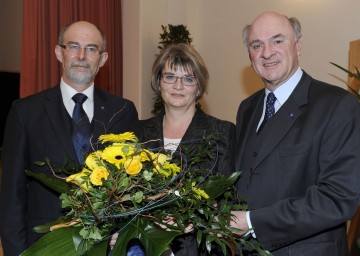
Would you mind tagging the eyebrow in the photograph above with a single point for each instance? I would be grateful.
(77, 43)
(271, 38)
(277, 36)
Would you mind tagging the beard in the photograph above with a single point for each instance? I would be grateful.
(84, 77)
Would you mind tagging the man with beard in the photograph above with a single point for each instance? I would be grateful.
(40, 126)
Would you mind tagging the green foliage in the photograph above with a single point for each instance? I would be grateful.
(61, 244)
(136, 205)
(175, 35)
(356, 76)
(55, 183)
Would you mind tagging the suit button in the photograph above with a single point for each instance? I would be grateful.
(255, 153)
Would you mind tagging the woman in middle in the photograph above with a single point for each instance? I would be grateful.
(180, 78)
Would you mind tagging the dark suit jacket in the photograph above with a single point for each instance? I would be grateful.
(200, 127)
(37, 127)
(301, 174)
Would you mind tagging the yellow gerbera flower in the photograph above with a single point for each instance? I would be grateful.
(117, 153)
(126, 136)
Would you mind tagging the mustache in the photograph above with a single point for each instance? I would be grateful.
(80, 64)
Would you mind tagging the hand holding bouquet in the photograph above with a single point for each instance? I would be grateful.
(131, 190)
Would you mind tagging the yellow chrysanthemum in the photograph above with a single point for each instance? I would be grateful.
(172, 167)
(161, 171)
(117, 153)
(133, 165)
(78, 179)
(126, 136)
(166, 169)
(199, 192)
(99, 173)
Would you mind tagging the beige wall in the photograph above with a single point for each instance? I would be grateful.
(328, 27)
(215, 26)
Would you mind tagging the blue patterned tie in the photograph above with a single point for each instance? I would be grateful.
(269, 111)
(81, 127)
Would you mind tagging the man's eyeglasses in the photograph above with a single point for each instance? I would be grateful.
(186, 80)
(75, 48)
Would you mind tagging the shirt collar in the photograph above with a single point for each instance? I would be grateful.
(68, 92)
(283, 92)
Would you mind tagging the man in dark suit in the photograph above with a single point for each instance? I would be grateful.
(301, 170)
(40, 126)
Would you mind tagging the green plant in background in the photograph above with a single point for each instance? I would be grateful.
(355, 76)
(175, 35)
(171, 34)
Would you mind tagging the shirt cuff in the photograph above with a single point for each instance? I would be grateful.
(250, 225)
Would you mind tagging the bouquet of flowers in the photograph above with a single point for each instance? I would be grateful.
(128, 189)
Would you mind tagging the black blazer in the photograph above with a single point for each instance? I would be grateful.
(37, 127)
(200, 126)
(301, 175)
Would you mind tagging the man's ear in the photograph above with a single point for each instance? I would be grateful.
(103, 59)
(59, 54)
(299, 45)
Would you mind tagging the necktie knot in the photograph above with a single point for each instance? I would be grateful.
(79, 98)
(78, 112)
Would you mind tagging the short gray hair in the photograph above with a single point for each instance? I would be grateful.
(294, 22)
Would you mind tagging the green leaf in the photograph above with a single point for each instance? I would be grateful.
(99, 249)
(138, 197)
(155, 240)
(56, 243)
(52, 182)
(216, 186)
(65, 200)
(81, 245)
(356, 76)
(353, 75)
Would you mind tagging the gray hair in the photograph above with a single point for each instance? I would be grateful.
(294, 22)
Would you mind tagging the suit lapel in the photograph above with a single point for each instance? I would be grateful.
(277, 128)
(251, 117)
(61, 123)
(284, 119)
(101, 116)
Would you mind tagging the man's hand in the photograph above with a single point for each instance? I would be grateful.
(239, 221)
(171, 221)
